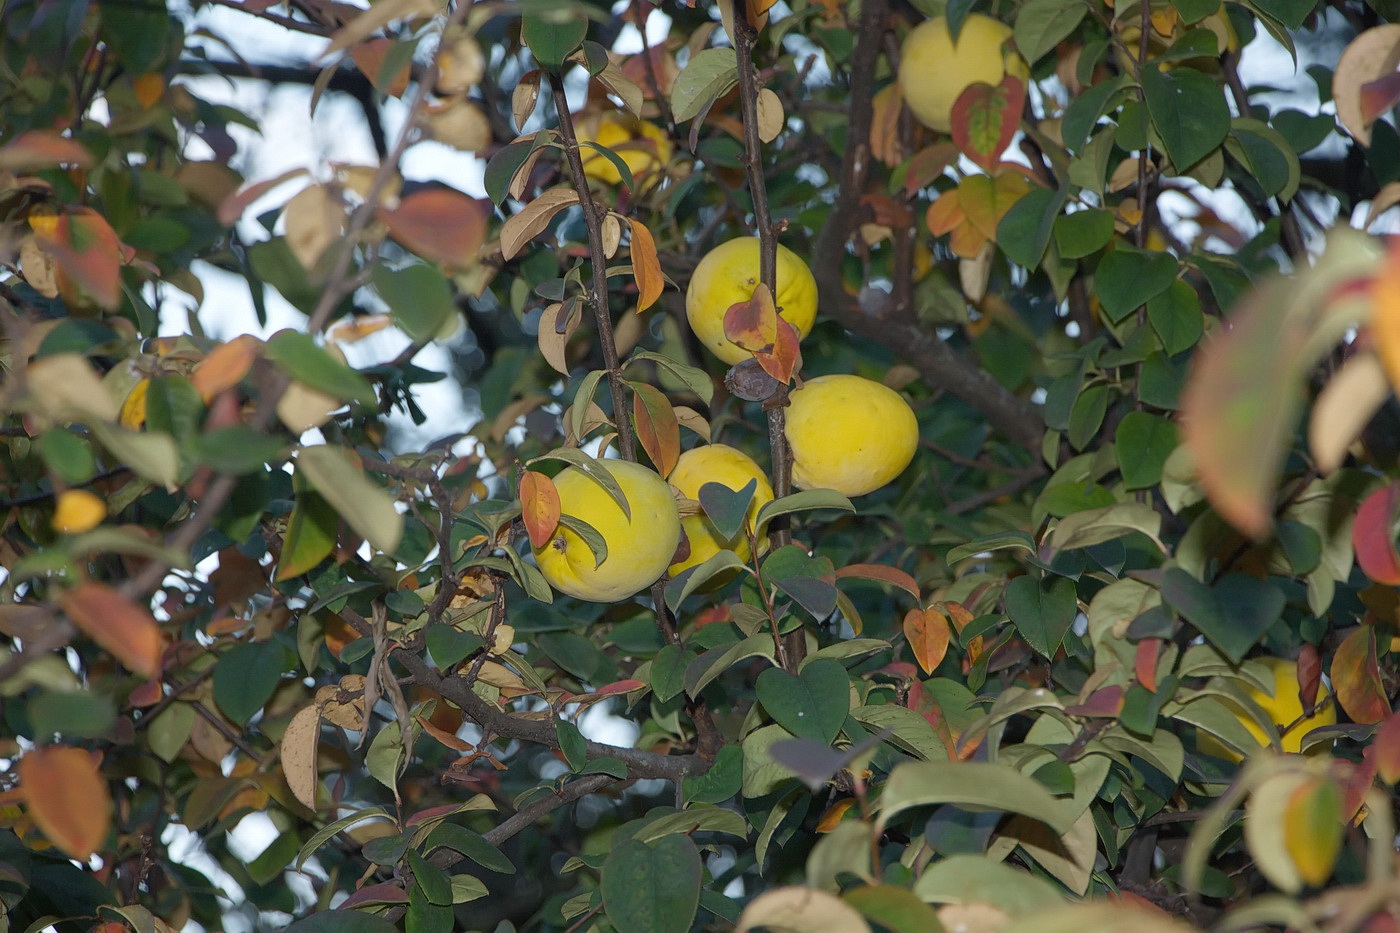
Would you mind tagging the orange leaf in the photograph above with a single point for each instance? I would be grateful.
(118, 624)
(225, 366)
(784, 357)
(945, 214)
(646, 266)
(1373, 535)
(1385, 749)
(985, 119)
(439, 224)
(1385, 313)
(928, 634)
(67, 798)
(88, 255)
(1356, 677)
(539, 504)
(986, 199)
(1309, 678)
(149, 88)
(1145, 662)
(369, 58)
(36, 149)
(1313, 829)
(753, 324)
(658, 431)
(834, 815)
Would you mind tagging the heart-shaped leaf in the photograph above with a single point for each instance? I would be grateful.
(812, 704)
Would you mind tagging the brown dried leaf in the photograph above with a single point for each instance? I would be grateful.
(524, 97)
(298, 753)
(523, 227)
(1344, 407)
(771, 118)
(1371, 55)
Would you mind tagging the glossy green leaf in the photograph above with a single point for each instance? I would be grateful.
(1188, 111)
(652, 888)
(811, 704)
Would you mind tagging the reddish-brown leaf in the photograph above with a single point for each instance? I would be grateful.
(1385, 749)
(646, 266)
(927, 164)
(658, 431)
(439, 224)
(753, 324)
(235, 204)
(928, 634)
(523, 227)
(881, 574)
(985, 118)
(1309, 677)
(1104, 703)
(1379, 96)
(539, 506)
(1373, 535)
(1145, 662)
(87, 252)
(960, 615)
(369, 58)
(1356, 677)
(784, 357)
(67, 798)
(118, 624)
(36, 149)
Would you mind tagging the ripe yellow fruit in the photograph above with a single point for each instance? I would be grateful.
(850, 434)
(639, 549)
(933, 71)
(727, 275)
(716, 463)
(78, 510)
(1283, 709)
(642, 147)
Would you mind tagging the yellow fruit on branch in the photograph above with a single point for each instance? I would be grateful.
(1284, 708)
(78, 510)
(933, 70)
(716, 463)
(639, 548)
(640, 145)
(850, 434)
(727, 275)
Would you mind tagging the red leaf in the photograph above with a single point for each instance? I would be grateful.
(1356, 677)
(1379, 96)
(881, 574)
(67, 798)
(646, 267)
(928, 634)
(784, 357)
(539, 506)
(369, 58)
(439, 224)
(658, 431)
(617, 687)
(1309, 678)
(118, 624)
(1104, 703)
(1373, 535)
(87, 252)
(1385, 749)
(985, 118)
(1145, 662)
(36, 149)
(753, 324)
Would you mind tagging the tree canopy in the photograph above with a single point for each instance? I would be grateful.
(1075, 611)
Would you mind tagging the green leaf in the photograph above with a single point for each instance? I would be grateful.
(71, 714)
(151, 455)
(811, 581)
(812, 704)
(449, 646)
(332, 829)
(434, 883)
(1001, 541)
(418, 297)
(652, 888)
(718, 660)
(1188, 110)
(1175, 316)
(1041, 24)
(695, 379)
(1143, 441)
(303, 359)
(508, 160)
(721, 782)
(692, 578)
(896, 909)
(1083, 233)
(972, 784)
(1095, 526)
(805, 501)
(246, 677)
(709, 74)
(1085, 111)
(571, 743)
(961, 879)
(238, 449)
(552, 35)
(365, 506)
(1266, 155)
(1024, 232)
(1129, 278)
(596, 472)
(342, 921)
(668, 671)
(1086, 417)
(1042, 610)
(311, 531)
(471, 844)
(67, 455)
(725, 507)
(1233, 615)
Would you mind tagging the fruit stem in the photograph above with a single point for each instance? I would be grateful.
(792, 647)
(598, 288)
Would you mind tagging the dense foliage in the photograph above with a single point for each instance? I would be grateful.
(1115, 652)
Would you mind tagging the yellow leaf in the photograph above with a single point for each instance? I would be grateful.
(133, 412)
(1313, 829)
(77, 511)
